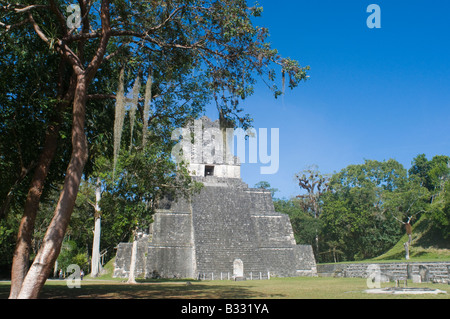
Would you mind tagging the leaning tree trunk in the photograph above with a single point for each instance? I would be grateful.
(21, 256)
(22, 251)
(51, 245)
(96, 266)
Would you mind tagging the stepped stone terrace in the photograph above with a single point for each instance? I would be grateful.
(227, 231)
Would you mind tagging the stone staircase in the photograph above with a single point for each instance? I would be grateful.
(223, 232)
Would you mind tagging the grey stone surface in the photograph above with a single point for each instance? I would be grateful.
(203, 237)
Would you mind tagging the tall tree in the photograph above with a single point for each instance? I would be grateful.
(32, 123)
(216, 36)
(439, 212)
(354, 216)
(434, 175)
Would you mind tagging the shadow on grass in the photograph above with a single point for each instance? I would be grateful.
(153, 290)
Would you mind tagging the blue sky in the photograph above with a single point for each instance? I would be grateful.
(373, 93)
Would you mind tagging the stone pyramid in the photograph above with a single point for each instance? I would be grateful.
(227, 231)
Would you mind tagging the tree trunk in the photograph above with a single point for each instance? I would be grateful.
(96, 266)
(406, 245)
(131, 276)
(316, 216)
(55, 269)
(51, 245)
(23, 246)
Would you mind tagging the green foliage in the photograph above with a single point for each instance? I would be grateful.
(360, 208)
(314, 185)
(430, 173)
(364, 212)
(303, 224)
(409, 200)
(435, 176)
(27, 107)
(71, 255)
(8, 233)
(141, 179)
(439, 212)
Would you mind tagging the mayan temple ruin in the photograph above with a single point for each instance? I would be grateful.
(227, 231)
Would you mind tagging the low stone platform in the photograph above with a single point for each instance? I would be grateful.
(435, 272)
(405, 291)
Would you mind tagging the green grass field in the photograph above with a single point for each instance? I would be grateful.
(277, 288)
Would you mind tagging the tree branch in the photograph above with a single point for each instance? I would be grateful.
(37, 29)
(167, 20)
(15, 25)
(105, 35)
(21, 9)
(62, 48)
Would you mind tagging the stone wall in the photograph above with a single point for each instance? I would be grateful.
(123, 258)
(170, 252)
(438, 272)
(306, 265)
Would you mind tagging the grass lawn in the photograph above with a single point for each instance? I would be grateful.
(277, 288)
